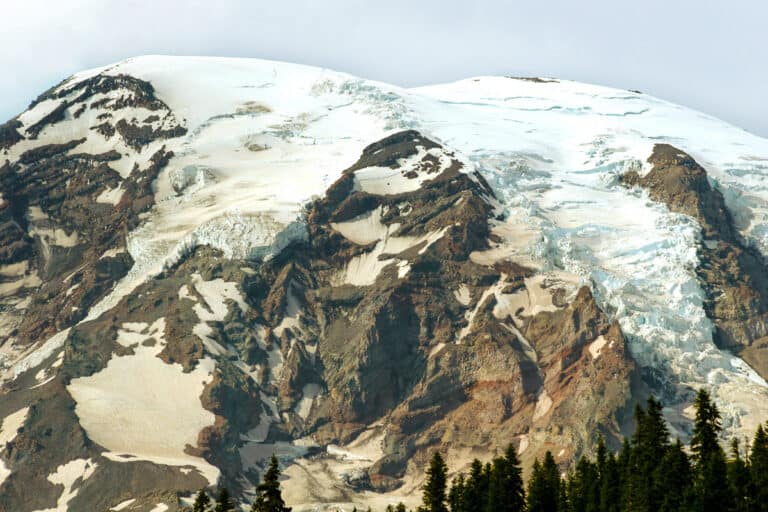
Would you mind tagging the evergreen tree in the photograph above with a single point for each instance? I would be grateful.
(649, 445)
(562, 498)
(513, 495)
(711, 485)
(674, 480)
(711, 476)
(506, 491)
(706, 428)
(456, 498)
(648, 474)
(224, 502)
(495, 500)
(758, 469)
(601, 456)
(739, 480)
(269, 498)
(625, 473)
(201, 502)
(536, 488)
(610, 486)
(544, 487)
(476, 489)
(434, 498)
(582, 487)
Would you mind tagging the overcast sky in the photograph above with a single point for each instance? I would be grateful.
(709, 55)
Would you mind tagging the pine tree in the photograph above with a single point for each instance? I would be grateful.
(582, 487)
(758, 469)
(269, 497)
(536, 488)
(456, 494)
(601, 456)
(201, 502)
(649, 445)
(711, 477)
(494, 500)
(649, 474)
(544, 486)
(706, 428)
(224, 502)
(625, 472)
(505, 484)
(476, 489)
(739, 479)
(610, 486)
(434, 498)
(512, 496)
(674, 480)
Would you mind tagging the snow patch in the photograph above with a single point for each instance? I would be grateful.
(308, 395)
(111, 195)
(365, 228)
(215, 294)
(10, 426)
(408, 176)
(462, 295)
(596, 347)
(363, 270)
(66, 475)
(153, 418)
(543, 405)
(123, 505)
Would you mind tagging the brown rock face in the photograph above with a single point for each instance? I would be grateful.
(53, 227)
(378, 325)
(404, 352)
(9, 134)
(733, 275)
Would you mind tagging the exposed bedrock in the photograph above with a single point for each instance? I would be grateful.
(65, 212)
(375, 336)
(410, 334)
(733, 274)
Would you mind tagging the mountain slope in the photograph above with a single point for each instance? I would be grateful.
(205, 261)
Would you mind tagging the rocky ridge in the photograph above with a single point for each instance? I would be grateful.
(732, 273)
(340, 278)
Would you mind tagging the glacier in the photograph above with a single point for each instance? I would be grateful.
(264, 138)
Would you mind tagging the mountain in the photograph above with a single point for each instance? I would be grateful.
(204, 261)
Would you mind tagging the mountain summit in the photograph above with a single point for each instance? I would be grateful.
(205, 261)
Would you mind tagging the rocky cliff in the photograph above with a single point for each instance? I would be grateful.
(207, 261)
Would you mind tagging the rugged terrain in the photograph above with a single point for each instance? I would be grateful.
(207, 261)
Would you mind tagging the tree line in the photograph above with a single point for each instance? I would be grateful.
(650, 473)
(269, 497)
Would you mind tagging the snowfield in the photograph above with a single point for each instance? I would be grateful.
(553, 152)
(264, 138)
(153, 417)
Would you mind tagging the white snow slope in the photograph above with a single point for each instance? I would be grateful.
(265, 137)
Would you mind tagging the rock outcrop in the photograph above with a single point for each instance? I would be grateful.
(378, 326)
(196, 274)
(733, 274)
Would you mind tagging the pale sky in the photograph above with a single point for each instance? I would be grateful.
(708, 55)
